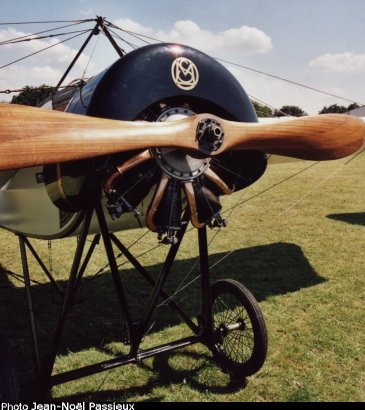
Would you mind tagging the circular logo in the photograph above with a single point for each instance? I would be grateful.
(184, 73)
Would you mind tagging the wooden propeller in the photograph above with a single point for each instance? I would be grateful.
(31, 136)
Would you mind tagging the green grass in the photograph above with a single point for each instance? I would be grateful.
(304, 264)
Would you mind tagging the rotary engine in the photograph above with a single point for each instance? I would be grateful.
(159, 83)
(183, 179)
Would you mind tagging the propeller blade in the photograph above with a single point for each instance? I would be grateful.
(321, 137)
(31, 136)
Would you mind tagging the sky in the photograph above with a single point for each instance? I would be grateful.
(319, 43)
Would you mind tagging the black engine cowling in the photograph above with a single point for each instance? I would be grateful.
(158, 83)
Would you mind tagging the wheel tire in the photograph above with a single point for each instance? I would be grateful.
(241, 351)
(9, 387)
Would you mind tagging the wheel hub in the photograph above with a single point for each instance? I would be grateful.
(224, 329)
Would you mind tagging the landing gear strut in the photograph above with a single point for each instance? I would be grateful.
(231, 323)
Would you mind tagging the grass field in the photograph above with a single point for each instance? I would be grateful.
(299, 248)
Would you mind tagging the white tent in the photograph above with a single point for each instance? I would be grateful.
(358, 112)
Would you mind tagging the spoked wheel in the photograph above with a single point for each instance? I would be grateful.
(9, 388)
(240, 336)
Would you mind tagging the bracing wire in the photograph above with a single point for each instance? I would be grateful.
(43, 37)
(280, 214)
(239, 203)
(182, 286)
(29, 37)
(103, 269)
(142, 36)
(45, 22)
(297, 201)
(43, 86)
(117, 36)
(20, 279)
(273, 109)
(271, 187)
(90, 58)
(46, 48)
(285, 80)
(132, 34)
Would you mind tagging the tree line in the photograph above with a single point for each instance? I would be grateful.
(295, 111)
(35, 95)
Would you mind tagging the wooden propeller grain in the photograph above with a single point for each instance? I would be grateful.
(32, 136)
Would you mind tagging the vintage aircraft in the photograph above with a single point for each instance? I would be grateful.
(155, 139)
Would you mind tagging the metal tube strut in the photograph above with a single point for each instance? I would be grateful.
(42, 265)
(95, 31)
(49, 363)
(120, 51)
(147, 276)
(33, 329)
(204, 272)
(114, 270)
(95, 242)
(136, 333)
(122, 361)
(156, 293)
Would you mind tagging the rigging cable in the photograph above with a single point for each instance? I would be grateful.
(243, 67)
(47, 22)
(271, 187)
(284, 79)
(46, 48)
(138, 36)
(117, 36)
(336, 171)
(35, 34)
(88, 63)
(19, 90)
(43, 37)
(142, 37)
(298, 201)
(239, 202)
(181, 286)
(135, 35)
(231, 209)
(273, 109)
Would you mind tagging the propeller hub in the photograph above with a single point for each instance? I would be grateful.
(210, 135)
(177, 163)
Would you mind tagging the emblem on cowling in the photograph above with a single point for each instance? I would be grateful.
(184, 73)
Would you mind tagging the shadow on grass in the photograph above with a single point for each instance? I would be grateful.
(351, 218)
(95, 320)
(166, 375)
